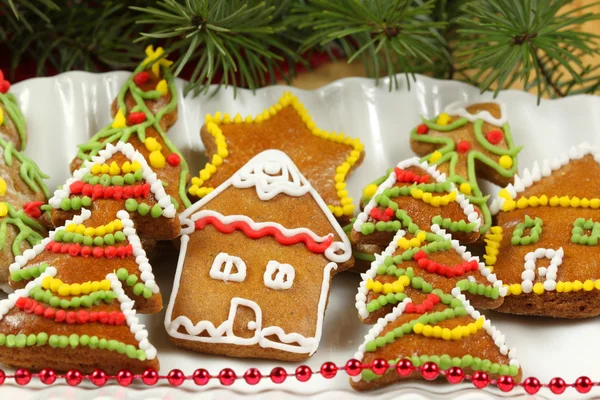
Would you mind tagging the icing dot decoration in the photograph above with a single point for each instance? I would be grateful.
(2, 183)
(463, 146)
(494, 136)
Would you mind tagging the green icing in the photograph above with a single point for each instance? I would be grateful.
(9, 102)
(110, 135)
(454, 226)
(69, 237)
(139, 289)
(28, 273)
(578, 235)
(29, 171)
(28, 229)
(88, 300)
(535, 231)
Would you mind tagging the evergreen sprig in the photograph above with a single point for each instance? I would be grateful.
(238, 39)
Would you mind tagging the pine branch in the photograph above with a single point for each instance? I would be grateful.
(239, 39)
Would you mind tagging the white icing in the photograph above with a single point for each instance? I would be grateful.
(459, 108)
(469, 211)
(266, 173)
(549, 273)
(156, 186)
(222, 268)
(284, 275)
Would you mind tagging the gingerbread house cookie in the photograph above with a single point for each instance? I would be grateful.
(143, 111)
(414, 195)
(468, 142)
(448, 332)
(429, 262)
(264, 246)
(325, 158)
(12, 122)
(545, 242)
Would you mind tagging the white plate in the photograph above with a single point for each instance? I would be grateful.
(68, 109)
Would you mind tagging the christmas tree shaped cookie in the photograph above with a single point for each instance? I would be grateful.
(414, 193)
(144, 109)
(264, 247)
(467, 143)
(119, 178)
(545, 242)
(87, 249)
(444, 329)
(92, 326)
(325, 158)
(428, 262)
(12, 121)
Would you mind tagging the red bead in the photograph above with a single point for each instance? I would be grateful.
(47, 376)
(557, 385)
(532, 385)
(136, 117)
(495, 136)
(278, 375)
(430, 370)
(73, 377)
(252, 376)
(124, 377)
(173, 159)
(463, 146)
(583, 384)
(2, 377)
(98, 377)
(303, 373)
(141, 77)
(328, 370)
(404, 367)
(22, 376)
(353, 367)
(480, 379)
(379, 366)
(227, 377)
(422, 129)
(455, 375)
(200, 377)
(150, 377)
(175, 377)
(506, 383)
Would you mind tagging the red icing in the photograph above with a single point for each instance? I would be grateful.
(409, 177)
(310, 243)
(110, 192)
(426, 306)
(463, 146)
(494, 136)
(382, 215)
(32, 209)
(136, 117)
(141, 78)
(422, 129)
(442, 269)
(31, 306)
(75, 249)
(174, 159)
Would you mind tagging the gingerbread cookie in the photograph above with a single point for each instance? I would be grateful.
(144, 109)
(545, 242)
(467, 143)
(326, 159)
(265, 246)
(119, 178)
(448, 331)
(12, 121)
(414, 195)
(427, 261)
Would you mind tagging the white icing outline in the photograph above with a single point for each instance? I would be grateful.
(284, 275)
(459, 108)
(548, 167)
(127, 149)
(496, 335)
(224, 332)
(224, 274)
(361, 296)
(138, 252)
(530, 266)
(126, 304)
(464, 203)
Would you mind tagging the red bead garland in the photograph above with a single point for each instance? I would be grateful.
(73, 377)
(455, 375)
(380, 366)
(303, 373)
(506, 383)
(430, 370)
(201, 377)
(353, 367)
(557, 385)
(404, 367)
(329, 370)
(150, 377)
(227, 376)
(583, 384)
(176, 377)
(47, 376)
(2, 377)
(22, 376)
(98, 377)
(252, 376)
(124, 377)
(480, 379)
(532, 385)
(278, 375)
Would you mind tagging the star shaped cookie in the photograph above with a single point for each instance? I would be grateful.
(325, 158)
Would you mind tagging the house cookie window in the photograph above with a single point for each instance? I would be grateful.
(527, 232)
(585, 232)
(279, 276)
(228, 268)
